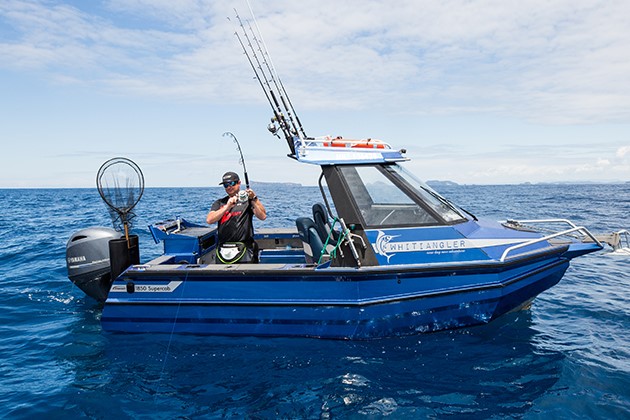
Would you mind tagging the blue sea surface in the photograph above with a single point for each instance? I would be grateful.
(568, 356)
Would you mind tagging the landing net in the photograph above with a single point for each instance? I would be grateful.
(120, 183)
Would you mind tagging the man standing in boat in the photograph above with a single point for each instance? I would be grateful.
(234, 214)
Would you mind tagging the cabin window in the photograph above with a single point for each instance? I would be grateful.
(388, 196)
(440, 205)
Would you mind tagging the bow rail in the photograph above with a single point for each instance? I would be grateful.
(587, 236)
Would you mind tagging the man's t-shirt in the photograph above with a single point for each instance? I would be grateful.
(236, 224)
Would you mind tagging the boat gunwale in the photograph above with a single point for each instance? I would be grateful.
(194, 271)
(340, 303)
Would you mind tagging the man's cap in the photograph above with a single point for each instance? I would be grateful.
(229, 177)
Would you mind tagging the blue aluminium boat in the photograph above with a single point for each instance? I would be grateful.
(396, 258)
(388, 256)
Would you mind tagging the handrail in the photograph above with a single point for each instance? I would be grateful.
(625, 234)
(570, 223)
(546, 238)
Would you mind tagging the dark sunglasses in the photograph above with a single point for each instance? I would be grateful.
(229, 184)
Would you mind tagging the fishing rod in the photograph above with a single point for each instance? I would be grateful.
(290, 127)
(276, 79)
(277, 110)
(273, 71)
(277, 113)
(242, 159)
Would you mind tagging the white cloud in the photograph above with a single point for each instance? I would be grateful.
(515, 164)
(603, 162)
(622, 152)
(550, 61)
(415, 74)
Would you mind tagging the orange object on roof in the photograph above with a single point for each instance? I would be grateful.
(364, 143)
(370, 144)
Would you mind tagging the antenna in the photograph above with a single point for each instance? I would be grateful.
(277, 97)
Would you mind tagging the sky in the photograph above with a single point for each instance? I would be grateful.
(477, 91)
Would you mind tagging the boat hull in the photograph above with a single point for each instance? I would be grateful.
(290, 300)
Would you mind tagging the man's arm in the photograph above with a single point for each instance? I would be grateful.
(216, 215)
(259, 209)
(257, 206)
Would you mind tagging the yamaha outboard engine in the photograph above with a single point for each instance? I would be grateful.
(87, 259)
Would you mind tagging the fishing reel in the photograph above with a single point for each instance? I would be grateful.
(273, 127)
(242, 197)
(279, 124)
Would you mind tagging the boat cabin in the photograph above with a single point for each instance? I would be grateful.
(370, 197)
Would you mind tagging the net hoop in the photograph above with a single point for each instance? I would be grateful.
(120, 184)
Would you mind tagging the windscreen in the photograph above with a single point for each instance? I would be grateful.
(389, 196)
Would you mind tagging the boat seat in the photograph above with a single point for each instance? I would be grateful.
(323, 226)
(311, 240)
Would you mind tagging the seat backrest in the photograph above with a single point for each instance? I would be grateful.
(321, 220)
(320, 217)
(311, 240)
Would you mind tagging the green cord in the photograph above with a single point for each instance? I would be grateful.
(333, 253)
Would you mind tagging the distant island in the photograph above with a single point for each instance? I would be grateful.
(275, 184)
(575, 183)
(437, 183)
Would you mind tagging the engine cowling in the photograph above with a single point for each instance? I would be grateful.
(88, 260)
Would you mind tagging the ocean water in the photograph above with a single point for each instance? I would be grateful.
(568, 356)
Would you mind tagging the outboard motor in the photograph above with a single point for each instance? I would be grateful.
(87, 259)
